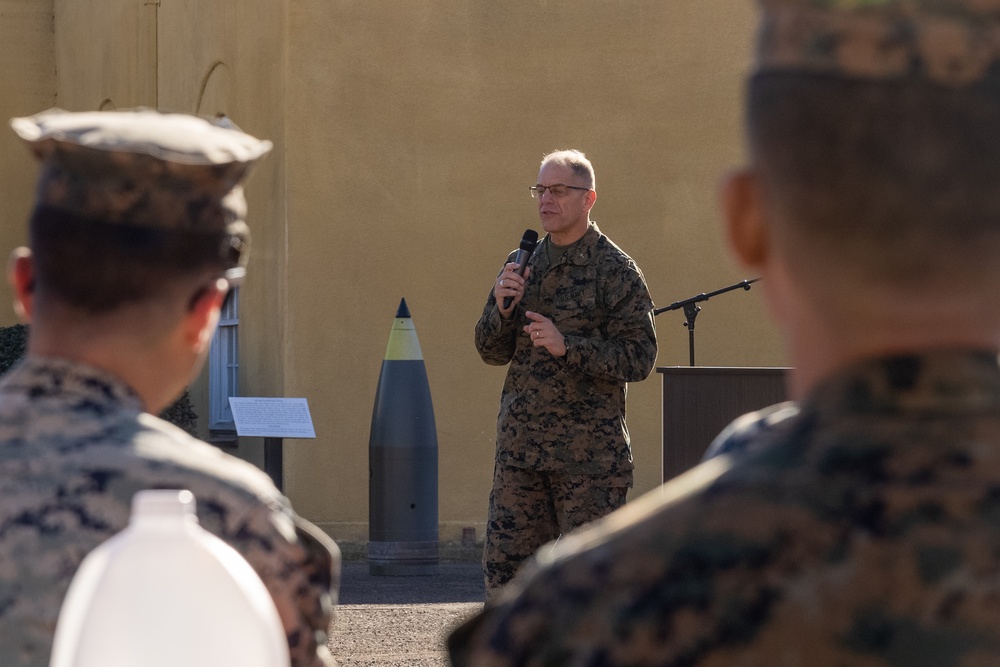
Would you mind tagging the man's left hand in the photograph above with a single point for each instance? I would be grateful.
(543, 333)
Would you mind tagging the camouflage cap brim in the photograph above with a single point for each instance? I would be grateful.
(947, 42)
(171, 137)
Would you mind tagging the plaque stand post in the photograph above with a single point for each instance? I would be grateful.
(273, 464)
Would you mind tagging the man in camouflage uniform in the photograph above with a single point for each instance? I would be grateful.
(578, 328)
(136, 235)
(864, 529)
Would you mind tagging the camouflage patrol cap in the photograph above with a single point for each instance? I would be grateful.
(948, 42)
(145, 169)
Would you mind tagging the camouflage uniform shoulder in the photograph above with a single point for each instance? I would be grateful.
(609, 248)
(749, 432)
(623, 279)
(75, 447)
(171, 443)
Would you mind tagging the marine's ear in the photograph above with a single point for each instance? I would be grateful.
(202, 314)
(742, 207)
(21, 276)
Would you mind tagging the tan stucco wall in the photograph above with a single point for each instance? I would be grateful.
(105, 54)
(406, 134)
(27, 85)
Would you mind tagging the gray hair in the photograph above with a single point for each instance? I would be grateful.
(577, 162)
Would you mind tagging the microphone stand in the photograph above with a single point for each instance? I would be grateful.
(691, 309)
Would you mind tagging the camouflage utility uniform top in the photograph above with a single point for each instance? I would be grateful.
(865, 533)
(75, 446)
(568, 413)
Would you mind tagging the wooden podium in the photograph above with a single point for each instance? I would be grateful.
(700, 401)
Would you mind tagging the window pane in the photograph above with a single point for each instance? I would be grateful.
(223, 366)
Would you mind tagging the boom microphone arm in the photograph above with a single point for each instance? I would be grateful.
(691, 309)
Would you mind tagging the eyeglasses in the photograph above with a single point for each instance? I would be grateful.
(557, 190)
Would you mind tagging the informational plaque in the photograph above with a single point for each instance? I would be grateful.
(272, 417)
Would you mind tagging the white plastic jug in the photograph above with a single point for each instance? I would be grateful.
(164, 591)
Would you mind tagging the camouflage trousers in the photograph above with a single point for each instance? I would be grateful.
(529, 508)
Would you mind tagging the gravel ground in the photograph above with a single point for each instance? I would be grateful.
(402, 621)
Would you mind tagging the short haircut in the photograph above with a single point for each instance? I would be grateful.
(897, 178)
(100, 267)
(577, 162)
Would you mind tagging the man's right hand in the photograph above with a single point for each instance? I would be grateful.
(509, 284)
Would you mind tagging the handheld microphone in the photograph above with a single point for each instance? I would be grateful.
(528, 243)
